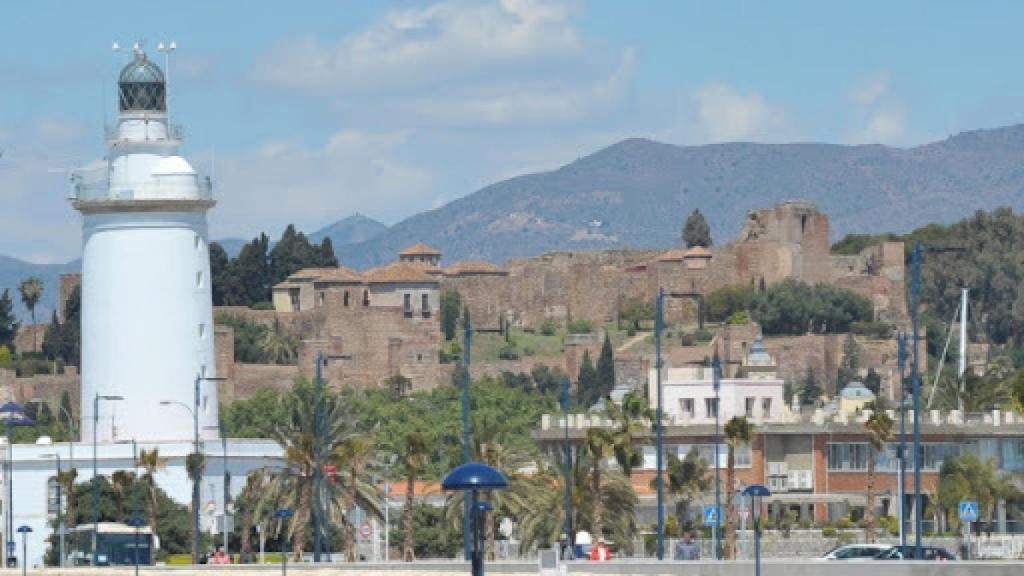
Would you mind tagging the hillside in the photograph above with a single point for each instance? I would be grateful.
(637, 193)
(350, 230)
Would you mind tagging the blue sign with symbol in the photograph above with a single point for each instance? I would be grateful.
(712, 516)
(968, 511)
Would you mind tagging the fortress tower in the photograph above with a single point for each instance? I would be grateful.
(147, 322)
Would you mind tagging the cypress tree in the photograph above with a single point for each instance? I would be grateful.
(586, 383)
(8, 323)
(606, 368)
(696, 231)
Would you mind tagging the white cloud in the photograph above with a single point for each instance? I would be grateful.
(426, 46)
(723, 114)
(285, 182)
(884, 126)
(870, 89)
(876, 115)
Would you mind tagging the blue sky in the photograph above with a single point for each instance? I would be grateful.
(310, 111)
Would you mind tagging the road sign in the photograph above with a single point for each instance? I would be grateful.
(744, 512)
(712, 516)
(968, 510)
(365, 530)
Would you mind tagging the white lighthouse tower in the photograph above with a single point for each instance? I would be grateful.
(147, 325)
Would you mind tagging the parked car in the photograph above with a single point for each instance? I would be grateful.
(856, 552)
(907, 553)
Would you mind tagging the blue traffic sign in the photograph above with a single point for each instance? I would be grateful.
(712, 516)
(968, 510)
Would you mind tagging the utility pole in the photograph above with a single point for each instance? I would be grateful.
(716, 379)
(318, 458)
(915, 375)
(660, 426)
(568, 471)
(467, 343)
(901, 341)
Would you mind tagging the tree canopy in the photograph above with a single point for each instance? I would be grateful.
(696, 231)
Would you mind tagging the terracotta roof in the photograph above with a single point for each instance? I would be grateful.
(698, 252)
(307, 274)
(673, 255)
(399, 272)
(420, 488)
(339, 274)
(467, 267)
(419, 249)
(286, 285)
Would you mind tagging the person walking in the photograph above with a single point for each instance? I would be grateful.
(686, 549)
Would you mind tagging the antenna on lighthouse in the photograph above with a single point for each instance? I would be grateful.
(166, 49)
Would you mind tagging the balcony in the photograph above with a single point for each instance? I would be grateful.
(96, 194)
(174, 134)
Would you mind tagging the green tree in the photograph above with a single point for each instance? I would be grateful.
(251, 274)
(414, 460)
(794, 307)
(451, 304)
(810, 391)
(696, 231)
(355, 455)
(399, 386)
(606, 368)
(991, 390)
(8, 323)
(849, 366)
(221, 279)
(151, 462)
(966, 477)
(630, 419)
(588, 390)
(31, 290)
(738, 432)
(687, 480)
(279, 345)
(62, 340)
(722, 303)
(636, 312)
(873, 381)
(878, 428)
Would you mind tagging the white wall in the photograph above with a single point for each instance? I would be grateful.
(685, 383)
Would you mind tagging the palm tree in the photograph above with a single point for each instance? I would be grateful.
(122, 482)
(66, 479)
(541, 513)
(738, 432)
(415, 456)
(630, 418)
(354, 455)
(879, 427)
(292, 486)
(687, 479)
(278, 345)
(599, 445)
(250, 507)
(151, 462)
(31, 290)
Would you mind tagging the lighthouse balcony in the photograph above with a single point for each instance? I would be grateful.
(185, 191)
(144, 131)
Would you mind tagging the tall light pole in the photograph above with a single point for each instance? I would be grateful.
(319, 429)
(568, 469)
(659, 422)
(915, 376)
(13, 415)
(95, 472)
(467, 356)
(60, 511)
(901, 347)
(390, 461)
(196, 451)
(716, 380)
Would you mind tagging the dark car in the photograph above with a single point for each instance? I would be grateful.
(908, 553)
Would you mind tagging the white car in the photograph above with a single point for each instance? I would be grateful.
(856, 552)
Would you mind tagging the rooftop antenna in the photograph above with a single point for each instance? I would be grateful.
(166, 49)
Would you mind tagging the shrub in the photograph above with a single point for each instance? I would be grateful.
(549, 327)
(580, 327)
(5, 354)
(508, 352)
(702, 335)
(262, 305)
(738, 318)
(450, 352)
(844, 523)
(829, 532)
(874, 330)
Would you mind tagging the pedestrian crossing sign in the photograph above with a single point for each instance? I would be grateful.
(712, 516)
(968, 511)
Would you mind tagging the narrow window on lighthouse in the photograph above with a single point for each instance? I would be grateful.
(199, 242)
(202, 331)
(199, 279)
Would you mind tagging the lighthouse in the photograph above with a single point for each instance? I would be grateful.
(148, 358)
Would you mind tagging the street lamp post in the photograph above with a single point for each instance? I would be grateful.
(659, 422)
(226, 480)
(283, 514)
(319, 428)
(24, 530)
(95, 472)
(716, 378)
(389, 462)
(567, 466)
(60, 511)
(135, 520)
(902, 460)
(915, 376)
(13, 415)
(194, 411)
(756, 492)
(467, 357)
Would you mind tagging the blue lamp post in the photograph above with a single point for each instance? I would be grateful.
(473, 477)
(283, 514)
(568, 468)
(756, 492)
(24, 530)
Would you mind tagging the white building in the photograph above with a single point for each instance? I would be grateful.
(148, 359)
(690, 398)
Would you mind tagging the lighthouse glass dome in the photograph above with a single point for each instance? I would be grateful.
(141, 86)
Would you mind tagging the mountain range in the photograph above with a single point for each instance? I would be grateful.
(637, 193)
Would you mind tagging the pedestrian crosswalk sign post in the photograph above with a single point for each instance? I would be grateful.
(712, 516)
(968, 511)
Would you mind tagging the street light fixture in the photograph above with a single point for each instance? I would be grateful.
(194, 411)
(95, 472)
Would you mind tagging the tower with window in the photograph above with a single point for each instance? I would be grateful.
(147, 321)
